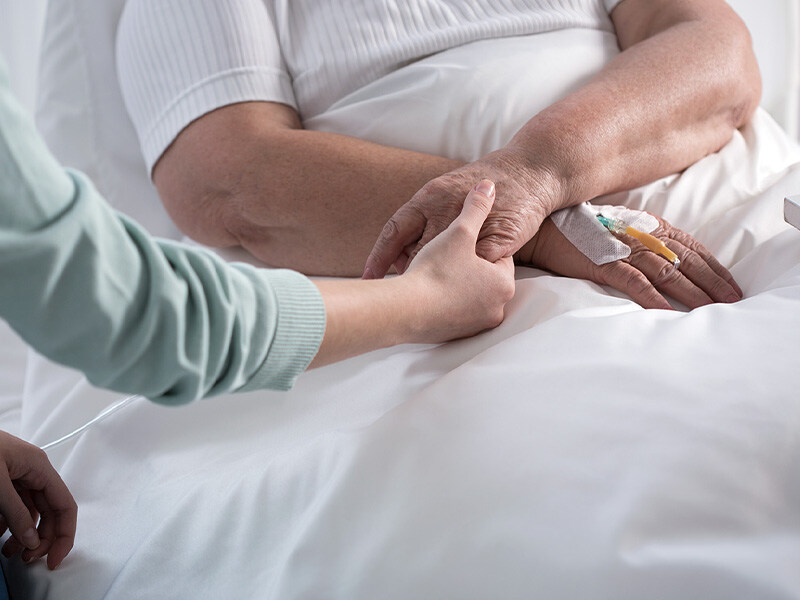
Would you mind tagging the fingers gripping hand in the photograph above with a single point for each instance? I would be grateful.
(30, 491)
(468, 291)
(415, 224)
(523, 200)
(477, 208)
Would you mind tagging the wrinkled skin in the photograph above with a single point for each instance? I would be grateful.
(524, 198)
(644, 275)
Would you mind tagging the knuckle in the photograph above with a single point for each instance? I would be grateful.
(438, 223)
(43, 461)
(680, 236)
(391, 229)
(461, 229)
(691, 261)
(636, 283)
(496, 318)
(692, 244)
(667, 274)
(508, 290)
(502, 224)
(720, 289)
(441, 186)
(499, 231)
(607, 274)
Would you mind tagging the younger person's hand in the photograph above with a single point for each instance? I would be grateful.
(468, 291)
(447, 292)
(527, 196)
(31, 490)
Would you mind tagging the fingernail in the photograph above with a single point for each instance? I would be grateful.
(486, 188)
(31, 539)
(733, 298)
(368, 274)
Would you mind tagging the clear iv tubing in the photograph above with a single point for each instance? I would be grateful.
(103, 415)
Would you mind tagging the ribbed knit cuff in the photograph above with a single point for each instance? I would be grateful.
(299, 332)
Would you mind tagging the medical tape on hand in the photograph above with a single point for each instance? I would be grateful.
(580, 226)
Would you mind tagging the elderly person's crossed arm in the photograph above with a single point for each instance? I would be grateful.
(248, 174)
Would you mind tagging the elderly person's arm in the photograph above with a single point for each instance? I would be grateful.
(91, 289)
(685, 80)
(249, 175)
(214, 106)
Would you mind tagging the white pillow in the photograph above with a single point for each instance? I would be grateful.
(447, 103)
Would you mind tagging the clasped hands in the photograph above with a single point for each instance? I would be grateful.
(519, 226)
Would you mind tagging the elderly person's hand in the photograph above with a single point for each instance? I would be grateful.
(643, 275)
(525, 196)
(30, 491)
(667, 100)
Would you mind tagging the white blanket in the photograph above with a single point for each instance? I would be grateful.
(586, 448)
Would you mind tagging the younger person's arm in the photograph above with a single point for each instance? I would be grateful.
(89, 288)
(448, 292)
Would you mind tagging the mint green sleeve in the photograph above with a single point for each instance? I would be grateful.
(91, 289)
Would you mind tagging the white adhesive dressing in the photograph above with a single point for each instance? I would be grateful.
(580, 226)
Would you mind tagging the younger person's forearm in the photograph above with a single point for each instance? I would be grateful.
(366, 315)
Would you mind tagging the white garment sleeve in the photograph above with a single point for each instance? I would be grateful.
(611, 4)
(180, 59)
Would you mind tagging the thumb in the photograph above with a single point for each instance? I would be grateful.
(477, 207)
(403, 228)
(16, 513)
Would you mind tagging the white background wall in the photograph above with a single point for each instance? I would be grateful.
(20, 36)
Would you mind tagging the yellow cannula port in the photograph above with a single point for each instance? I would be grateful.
(654, 244)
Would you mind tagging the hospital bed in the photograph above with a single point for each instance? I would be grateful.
(586, 448)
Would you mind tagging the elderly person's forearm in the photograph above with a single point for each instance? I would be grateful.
(686, 79)
(307, 200)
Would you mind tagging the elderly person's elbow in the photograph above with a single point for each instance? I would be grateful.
(215, 187)
(745, 76)
(734, 64)
(722, 55)
(198, 205)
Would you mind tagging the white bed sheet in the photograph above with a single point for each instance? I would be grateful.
(585, 448)
(13, 358)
